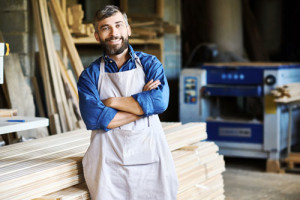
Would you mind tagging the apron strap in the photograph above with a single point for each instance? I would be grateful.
(138, 65)
(138, 62)
(102, 66)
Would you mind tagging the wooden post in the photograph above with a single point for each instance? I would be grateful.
(160, 8)
(51, 108)
(66, 36)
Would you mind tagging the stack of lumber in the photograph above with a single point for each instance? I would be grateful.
(152, 29)
(198, 165)
(287, 93)
(59, 84)
(38, 167)
(50, 168)
(74, 19)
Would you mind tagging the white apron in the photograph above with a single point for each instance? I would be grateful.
(133, 161)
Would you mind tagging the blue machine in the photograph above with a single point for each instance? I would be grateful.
(234, 100)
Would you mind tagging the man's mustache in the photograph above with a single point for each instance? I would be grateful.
(113, 38)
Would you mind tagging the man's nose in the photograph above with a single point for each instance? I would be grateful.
(114, 31)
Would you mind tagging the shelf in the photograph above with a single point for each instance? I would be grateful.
(29, 123)
(133, 41)
(151, 46)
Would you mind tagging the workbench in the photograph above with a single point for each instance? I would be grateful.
(292, 157)
(21, 123)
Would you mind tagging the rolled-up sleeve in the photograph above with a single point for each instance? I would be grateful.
(154, 101)
(93, 112)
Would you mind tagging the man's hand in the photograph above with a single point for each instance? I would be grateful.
(151, 85)
(107, 102)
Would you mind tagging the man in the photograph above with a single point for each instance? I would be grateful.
(120, 95)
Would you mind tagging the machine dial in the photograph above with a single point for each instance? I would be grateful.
(270, 80)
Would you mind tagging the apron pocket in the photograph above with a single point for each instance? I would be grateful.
(135, 147)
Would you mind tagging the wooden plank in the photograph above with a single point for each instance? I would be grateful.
(8, 112)
(69, 80)
(52, 62)
(73, 101)
(63, 4)
(65, 113)
(35, 145)
(66, 36)
(54, 164)
(43, 65)
(43, 59)
(167, 125)
(77, 191)
(160, 8)
(293, 157)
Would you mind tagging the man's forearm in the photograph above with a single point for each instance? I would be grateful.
(122, 118)
(126, 104)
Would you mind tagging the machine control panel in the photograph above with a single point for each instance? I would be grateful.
(229, 75)
(190, 90)
(270, 80)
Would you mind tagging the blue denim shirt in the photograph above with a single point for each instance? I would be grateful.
(96, 115)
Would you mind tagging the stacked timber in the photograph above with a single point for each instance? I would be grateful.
(198, 165)
(151, 29)
(50, 168)
(59, 84)
(39, 167)
(74, 19)
(287, 93)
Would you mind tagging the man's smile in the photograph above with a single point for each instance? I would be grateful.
(115, 40)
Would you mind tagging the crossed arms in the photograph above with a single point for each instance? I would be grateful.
(128, 108)
(113, 112)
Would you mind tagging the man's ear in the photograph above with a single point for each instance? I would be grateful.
(97, 36)
(129, 30)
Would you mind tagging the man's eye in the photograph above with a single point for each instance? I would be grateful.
(104, 28)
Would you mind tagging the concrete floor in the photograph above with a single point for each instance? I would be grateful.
(246, 179)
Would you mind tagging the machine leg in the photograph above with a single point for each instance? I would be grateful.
(273, 166)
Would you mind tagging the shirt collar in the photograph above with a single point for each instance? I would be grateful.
(131, 53)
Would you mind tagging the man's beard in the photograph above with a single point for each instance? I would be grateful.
(114, 49)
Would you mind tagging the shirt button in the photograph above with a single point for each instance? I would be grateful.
(105, 56)
(110, 61)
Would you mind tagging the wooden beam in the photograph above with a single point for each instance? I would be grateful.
(62, 105)
(160, 8)
(49, 44)
(66, 36)
(54, 123)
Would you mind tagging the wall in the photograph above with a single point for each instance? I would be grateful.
(16, 28)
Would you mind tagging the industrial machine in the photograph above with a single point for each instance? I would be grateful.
(234, 100)
(4, 51)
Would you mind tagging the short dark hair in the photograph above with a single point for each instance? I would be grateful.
(108, 11)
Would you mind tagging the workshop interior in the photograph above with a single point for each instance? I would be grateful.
(233, 69)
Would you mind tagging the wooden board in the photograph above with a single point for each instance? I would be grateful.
(65, 34)
(50, 168)
(8, 112)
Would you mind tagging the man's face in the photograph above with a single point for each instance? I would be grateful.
(113, 34)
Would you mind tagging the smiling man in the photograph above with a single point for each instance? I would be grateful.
(120, 95)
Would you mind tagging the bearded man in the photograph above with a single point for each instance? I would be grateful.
(120, 96)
